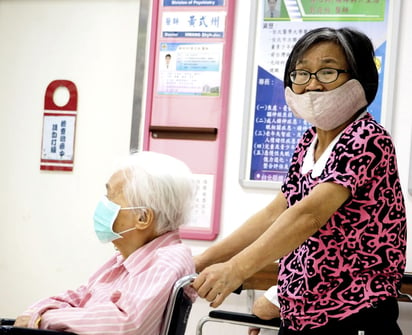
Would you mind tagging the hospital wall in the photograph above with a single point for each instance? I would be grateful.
(47, 243)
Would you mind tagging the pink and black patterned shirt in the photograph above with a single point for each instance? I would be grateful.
(125, 296)
(358, 257)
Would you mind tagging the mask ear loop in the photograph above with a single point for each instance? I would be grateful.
(129, 208)
(126, 231)
(142, 208)
(135, 207)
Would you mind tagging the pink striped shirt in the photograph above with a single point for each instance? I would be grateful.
(125, 296)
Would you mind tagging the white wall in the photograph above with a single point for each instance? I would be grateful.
(47, 242)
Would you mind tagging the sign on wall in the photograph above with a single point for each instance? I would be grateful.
(59, 128)
(271, 132)
(187, 101)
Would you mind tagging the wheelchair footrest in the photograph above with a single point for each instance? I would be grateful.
(243, 317)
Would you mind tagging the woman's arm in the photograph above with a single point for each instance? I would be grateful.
(31, 318)
(246, 234)
(291, 228)
(69, 299)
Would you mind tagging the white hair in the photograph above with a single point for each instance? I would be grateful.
(162, 183)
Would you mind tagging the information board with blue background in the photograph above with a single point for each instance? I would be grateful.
(272, 129)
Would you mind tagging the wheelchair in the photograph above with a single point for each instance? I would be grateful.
(263, 281)
(175, 316)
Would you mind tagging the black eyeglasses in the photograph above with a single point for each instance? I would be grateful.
(324, 76)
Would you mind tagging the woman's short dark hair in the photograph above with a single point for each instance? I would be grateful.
(357, 48)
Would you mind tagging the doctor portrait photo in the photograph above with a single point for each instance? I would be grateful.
(272, 8)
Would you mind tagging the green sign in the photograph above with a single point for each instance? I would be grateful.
(331, 10)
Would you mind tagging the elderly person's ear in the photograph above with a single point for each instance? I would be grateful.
(145, 218)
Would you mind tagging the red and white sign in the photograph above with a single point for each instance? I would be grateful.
(59, 128)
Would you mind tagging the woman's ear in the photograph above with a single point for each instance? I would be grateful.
(144, 219)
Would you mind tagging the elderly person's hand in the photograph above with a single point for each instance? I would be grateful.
(265, 309)
(22, 321)
(253, 331)
(217, 281)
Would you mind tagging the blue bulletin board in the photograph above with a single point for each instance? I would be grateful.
(270, 131)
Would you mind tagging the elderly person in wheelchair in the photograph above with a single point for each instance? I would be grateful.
(147, 200)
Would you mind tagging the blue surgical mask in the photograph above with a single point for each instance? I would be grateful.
(104, 216)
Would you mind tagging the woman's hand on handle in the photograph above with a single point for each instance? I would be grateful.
(217, 281)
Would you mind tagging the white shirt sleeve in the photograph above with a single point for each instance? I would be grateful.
(272, 295)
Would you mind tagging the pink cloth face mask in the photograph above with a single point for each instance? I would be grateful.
(328, 110)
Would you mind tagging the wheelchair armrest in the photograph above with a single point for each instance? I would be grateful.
(407, 278)
(243, 317)
(405, 292)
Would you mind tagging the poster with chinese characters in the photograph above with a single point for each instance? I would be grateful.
(272, 130)
(192, 67)
(58, 138)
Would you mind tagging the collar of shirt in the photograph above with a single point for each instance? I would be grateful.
(143, 256)
(318, 166)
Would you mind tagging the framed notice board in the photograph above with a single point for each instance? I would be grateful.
(270, 131)
(186, 108)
